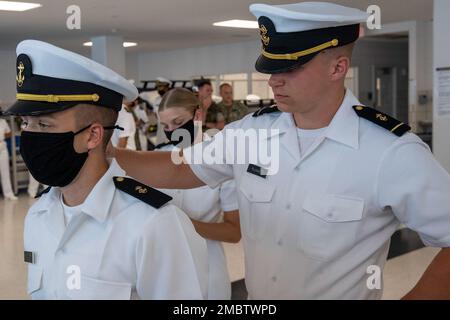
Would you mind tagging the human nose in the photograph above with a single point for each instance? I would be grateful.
(276, 80)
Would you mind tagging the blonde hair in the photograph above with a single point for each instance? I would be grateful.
(179, 98)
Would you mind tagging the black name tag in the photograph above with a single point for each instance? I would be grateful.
(29, 257)
(257, 171)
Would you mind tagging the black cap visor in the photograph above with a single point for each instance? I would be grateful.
(270, 66)
(35, 108)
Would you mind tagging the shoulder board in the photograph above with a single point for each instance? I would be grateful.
(264, 110)
(39, 194)
(383, 120)
(161, 145)
(142, 192)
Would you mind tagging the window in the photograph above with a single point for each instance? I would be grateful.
(238, 81)
(260, 85)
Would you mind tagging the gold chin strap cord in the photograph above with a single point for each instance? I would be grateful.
(57, 98)
(296, 55)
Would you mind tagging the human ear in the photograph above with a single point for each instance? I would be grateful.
(94, 136)
(340, 67)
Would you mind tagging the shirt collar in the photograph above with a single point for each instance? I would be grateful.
(99, 200)
(343, 128)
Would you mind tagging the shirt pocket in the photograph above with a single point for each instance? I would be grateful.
(94, 289)
(256, 205)
(34, 282)
(328, 225)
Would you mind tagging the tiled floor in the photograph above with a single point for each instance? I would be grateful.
(12, 267)
(408, 260)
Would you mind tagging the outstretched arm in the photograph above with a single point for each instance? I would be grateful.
(155, 169)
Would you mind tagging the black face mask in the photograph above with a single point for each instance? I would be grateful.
(189, 127)
(51, 157)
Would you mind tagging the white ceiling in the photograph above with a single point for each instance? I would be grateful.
(162, 24)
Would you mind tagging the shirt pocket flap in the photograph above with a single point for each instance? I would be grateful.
(334, 208)
(256, 191)
(94, 289)
(34, 278)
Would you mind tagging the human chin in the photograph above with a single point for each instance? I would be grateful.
(283, 106)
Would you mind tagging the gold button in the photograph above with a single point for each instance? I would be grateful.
(359, 108)
(120, 179)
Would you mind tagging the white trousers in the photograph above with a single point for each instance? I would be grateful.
(33, 186)
(4, 170)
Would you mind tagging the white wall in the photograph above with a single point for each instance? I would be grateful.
(7, 77)
(132, 67)
(209, 60)
(441, 49)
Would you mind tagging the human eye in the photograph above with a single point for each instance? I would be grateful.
(43, 125)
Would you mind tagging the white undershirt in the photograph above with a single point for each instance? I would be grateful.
(307, 138)
(69, 212)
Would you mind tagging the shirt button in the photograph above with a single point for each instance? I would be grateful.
(250, 196)
(274, 279)
(280, 243)
(288, 206)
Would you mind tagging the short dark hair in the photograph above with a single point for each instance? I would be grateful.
(90, 113)
(202, 82)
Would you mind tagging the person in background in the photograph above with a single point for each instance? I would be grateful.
(142, 120)
(179, 109)
(5, 132)
(212, 117)
(231, 109)
(125, 138)
(162, 86)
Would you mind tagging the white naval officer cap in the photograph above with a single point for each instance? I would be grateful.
(292, 34)
(50, 79)
(163, 81)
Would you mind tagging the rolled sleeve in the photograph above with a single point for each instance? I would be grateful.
(228, 197)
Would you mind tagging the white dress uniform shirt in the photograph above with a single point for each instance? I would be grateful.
(312, 230)
(207, 204)
(126, 121)
(123, 247)
(4, 160)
